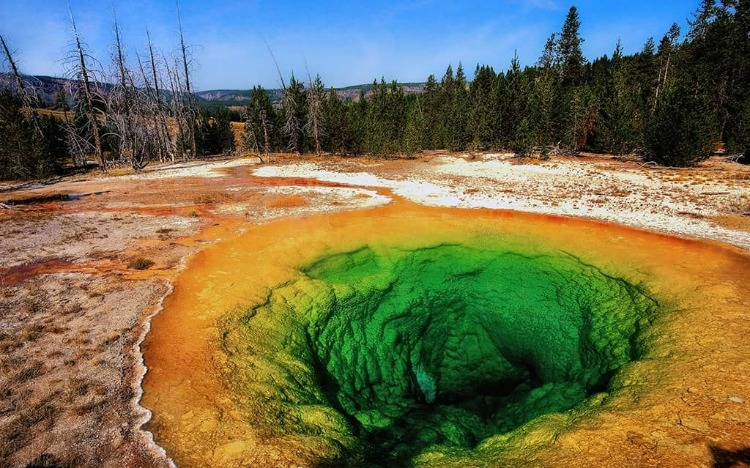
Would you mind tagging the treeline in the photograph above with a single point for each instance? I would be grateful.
(134, 112)
(673, 102)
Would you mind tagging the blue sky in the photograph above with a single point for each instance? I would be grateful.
(347, 43)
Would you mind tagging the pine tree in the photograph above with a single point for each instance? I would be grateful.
(480, 126)
(445, 94)
(515, 106)
(574, 108)
(335, 119)
(457, 111)
(617, 128)
(375, 136)
(667, 50)
(260, 133)
(314, 125)
(396, 118)
(294, 115)
(680, 132)
(15, 136)
(644, 71)
(433, 114)
(702, 19)
(569, 49)
(61, 102)
(214, 133)
(415, 127)
(27, 149)
(550, 59)
(545, 107)
(737, 130)
(739, 133)
(582, 113)
(716, 56)
(523, 139)
(357, 114)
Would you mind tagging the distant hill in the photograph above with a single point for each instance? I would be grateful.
(230, 96)
(240, 97)
(47, 88)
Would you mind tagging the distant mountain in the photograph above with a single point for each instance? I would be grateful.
(48, 87)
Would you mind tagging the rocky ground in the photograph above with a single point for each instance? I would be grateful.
(86, 260)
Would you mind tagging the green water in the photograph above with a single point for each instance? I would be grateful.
(441, 346)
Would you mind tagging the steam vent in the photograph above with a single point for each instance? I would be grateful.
(406, 335)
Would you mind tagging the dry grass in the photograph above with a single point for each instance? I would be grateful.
(47, 460)
(33, 332)
(62, 367)
(20, 431)
(140, 263)
(111, 339)
(33, 370)
(35, 302)
(75, 308)
(58, 114)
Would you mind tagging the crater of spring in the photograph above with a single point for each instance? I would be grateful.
(406, 335)
(443, 345)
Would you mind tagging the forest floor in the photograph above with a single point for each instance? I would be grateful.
(86, 260)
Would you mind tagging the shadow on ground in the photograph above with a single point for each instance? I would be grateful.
(729, 458)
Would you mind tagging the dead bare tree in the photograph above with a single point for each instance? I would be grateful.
(265, 124)
(12, 63)
(315, 109)
(293, 125)
(132, 110)
(289, 106)
(26, 93)
(166, 149)
(18, 156)
(250, 137)
(82, 71)
(183, 114)
(189, 105)
(152, 111)
(121, 112)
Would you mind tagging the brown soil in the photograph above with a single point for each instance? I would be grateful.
(73, 309)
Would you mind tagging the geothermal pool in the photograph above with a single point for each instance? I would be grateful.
(404, 334)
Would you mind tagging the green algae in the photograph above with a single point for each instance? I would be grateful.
(388, 352)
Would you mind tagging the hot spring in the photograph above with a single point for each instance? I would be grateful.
(412, 336)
